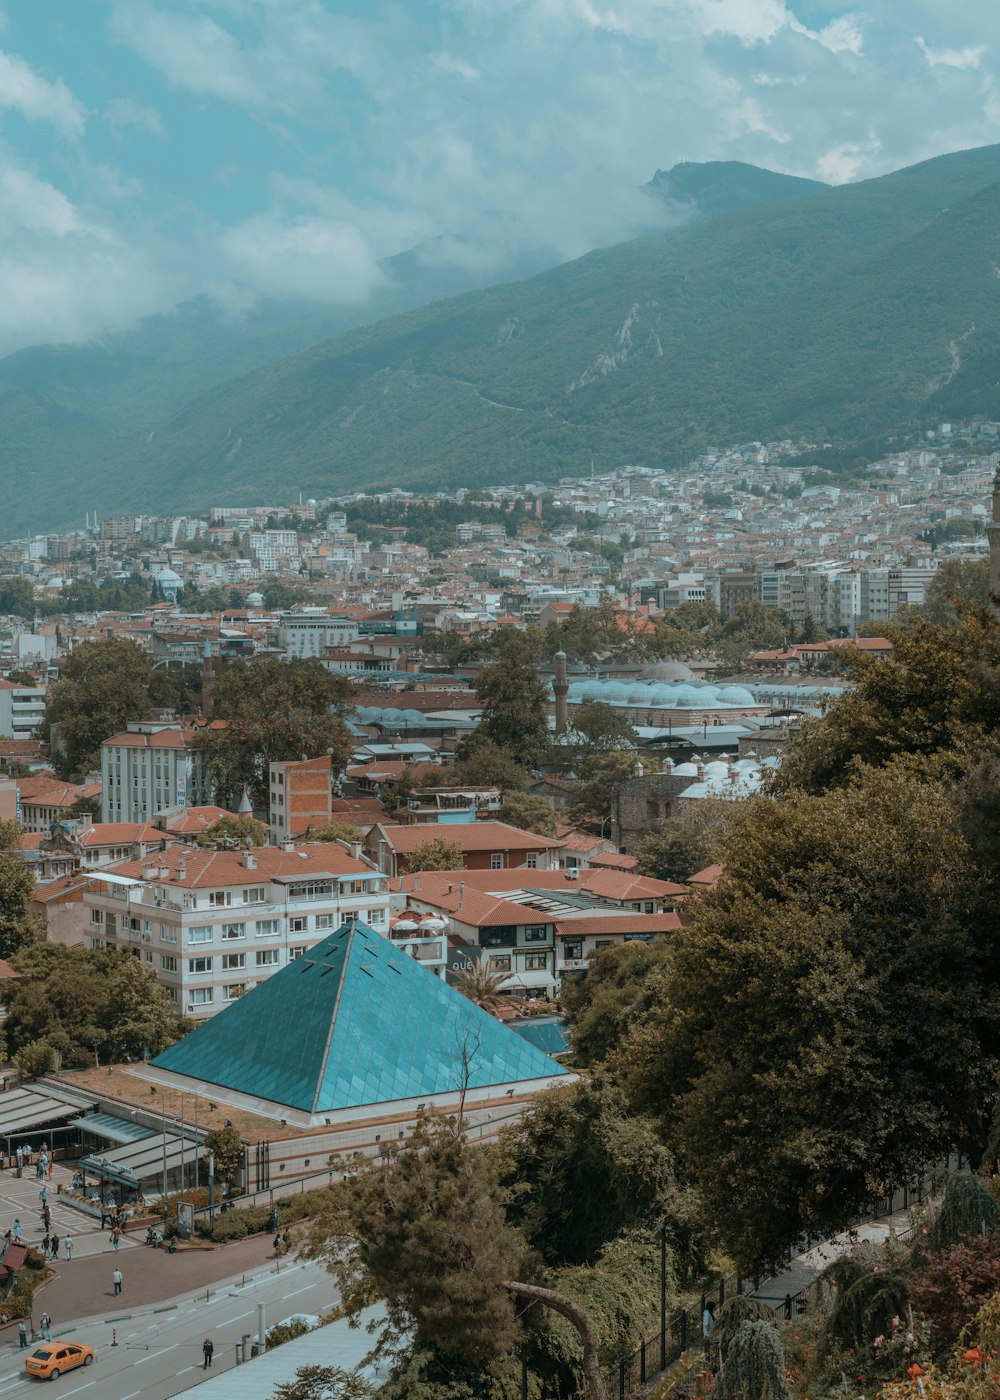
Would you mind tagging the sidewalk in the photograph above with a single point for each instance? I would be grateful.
(806, 1268)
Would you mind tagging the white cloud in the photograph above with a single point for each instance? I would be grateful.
(125, 112)
(313, 258)
(36, 98)
(846, 162)
(970, 57)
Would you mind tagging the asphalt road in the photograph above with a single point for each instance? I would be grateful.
(159, 1353)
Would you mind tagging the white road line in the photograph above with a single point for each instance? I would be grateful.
(154, 1354)
(132, 1396)
(186, 1369)
(303, 1290)
(79, 1387)
(238, 1318)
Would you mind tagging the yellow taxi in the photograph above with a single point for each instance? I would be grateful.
(53, 1359)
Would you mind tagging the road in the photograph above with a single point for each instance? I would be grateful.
(158, 1352)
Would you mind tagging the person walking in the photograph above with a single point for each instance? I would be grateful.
(43, 1195)
(708, 1323)
(55, 1246)
(46, 1246)
(45, 1328)
(46, 1216)
(22, 1334)
(117, 1280)
(19, 1158)
(17, 1232)
(207, 1348)
(116, 1236)
(104, 1217)
(68, 1247)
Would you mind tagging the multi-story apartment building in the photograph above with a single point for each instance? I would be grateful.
(309, 633)
(150, 768)
(213, 923)
(270, 547)
(300, 797)
(22, 708)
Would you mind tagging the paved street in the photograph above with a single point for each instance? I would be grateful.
(159, 1350)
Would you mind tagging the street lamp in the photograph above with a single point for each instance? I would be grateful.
(662, 1227)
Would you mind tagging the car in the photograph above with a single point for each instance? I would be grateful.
(54, 1359)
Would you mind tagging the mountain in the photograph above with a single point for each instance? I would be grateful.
(718, 186)
(74, 416)
(854, 310)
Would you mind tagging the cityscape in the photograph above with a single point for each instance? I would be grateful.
(499, 701)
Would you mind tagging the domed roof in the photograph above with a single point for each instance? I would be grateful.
(736, 695)
(614, 690)
(667, 671)
(685, 770)
(167, 576)
(255, 600)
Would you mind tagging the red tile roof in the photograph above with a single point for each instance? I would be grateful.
(471, 836)
(612, 923)
(218, 869)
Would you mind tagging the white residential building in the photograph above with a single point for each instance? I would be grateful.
(22, 708)
(150, 768)
(311, 632)
(214, 923)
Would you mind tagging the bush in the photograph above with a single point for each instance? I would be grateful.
(33, 1260)
(34, 1059)
(968, 1210)
(956, 1284)
(734, 1313)
(754, 1366)
(286, 1332)
(867, 1295)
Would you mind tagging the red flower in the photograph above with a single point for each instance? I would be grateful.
(915, 1370)
(974, 1356)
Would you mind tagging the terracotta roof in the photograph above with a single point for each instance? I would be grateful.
(194, 819)
(471, 906)
(613, 861)
(612, 923)
(117, 833)
(621, 884)
(216, 869)
(604, 884)
(706, 878)
(162, 739)
(471, 836)
(50, 792)
(68, 887)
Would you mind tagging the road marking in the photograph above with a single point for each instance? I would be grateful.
(153, 1355)
(307, 1289)
(188, 1368)
(79, 1387)
(238, 1318)
(132, 1396)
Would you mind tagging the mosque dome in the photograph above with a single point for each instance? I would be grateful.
(255, 600)
(667, 671)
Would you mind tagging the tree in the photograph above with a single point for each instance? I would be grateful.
(437, 854)
(336, 831)
(957, 581)
(140, 1018)
(84, 807)
(956, 1283)
(529, 813)
(274, 711)
(829, 1018)
(598, 728)
(244, 828)
(482, 984)
(673, 852)
(754, 1365)
(227, 1147)
(601, 1005)
(17, 890)
(320, 1382)
(515, 709)
(968, 1209)
(103, 686)
(482, 763)
(33, 1060)
(594, 798)
(427, 1232)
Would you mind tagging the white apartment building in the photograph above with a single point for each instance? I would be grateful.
(150, 768)
(213, 923)
(22, 708)
(311, 632)
(271, 547)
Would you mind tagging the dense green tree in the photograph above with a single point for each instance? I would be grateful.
(139, 1017)
(274, 711)
(674, 852)
(754, 1365)
(938, 690)
(600, 728)
(336, 831)
(957, 581)
(515, 709)
(482, 763)
(320, 1382)
(830, 1018)
(436, 854)
(226, 1145)
(601, 1005)
(243, 828)
(593, 799)
(103, 685)
(18, 925)
(529, 813)
(34, 1059)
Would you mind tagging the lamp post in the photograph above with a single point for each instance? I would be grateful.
(662, 1227)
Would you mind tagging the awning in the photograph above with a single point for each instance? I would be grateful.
(23, 1112)
(112, 1129)
(110, 879)
(136, 1163)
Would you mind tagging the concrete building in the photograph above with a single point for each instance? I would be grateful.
(300, 797)
(312, 632)
(22, 709)
(214, 923)
(150, 768)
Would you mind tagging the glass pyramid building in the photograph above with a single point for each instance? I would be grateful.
(356, 1021)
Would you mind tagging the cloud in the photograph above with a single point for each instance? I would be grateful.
(125, 112)
(36, 98)
(311, 258)
(970, 57)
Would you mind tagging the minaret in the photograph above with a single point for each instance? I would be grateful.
(560, 689)
(993, 534)
(207, 682)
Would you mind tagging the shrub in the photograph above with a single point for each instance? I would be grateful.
(33, 1260)
(738, 1310)
(968, 1210)
(34, 1059)
(754, 1365)
(956, 1284)
(286, 1332)
(866, 1297)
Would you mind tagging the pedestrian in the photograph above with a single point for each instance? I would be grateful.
(46, 1246)
(708, 1321)
(45, 1327)
(68, 1247)
(116, 1235)
(104, 1217)
(46, 1216)
(22, 1334)
(17, 1232)
(117, 1280)
(207, 1348)
(43, 1195)
(48, 1168)
(55, 1246)
(19, 1155)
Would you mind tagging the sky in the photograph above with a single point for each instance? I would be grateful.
(154, 150)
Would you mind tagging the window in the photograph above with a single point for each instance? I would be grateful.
(324, 921)
(298, 925)
(232, 962)
(267, 957)
(231, 931)
(536, 933)
(199, 996)
(200, 933)
(199, 964)
(501, 937)
(97, 916)
(167, 963)
(376, 916)
(536, 962)
(498, 860)
(310, 889)
(572, 949)
(167, 935)
(267, 928)
(254, 896)
(532, 861)
(295, 953)
(219, 899)
(499, 962)
(649, 908)
(234, 991)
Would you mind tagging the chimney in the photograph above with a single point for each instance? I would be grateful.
(249, 861)
(560, 689)
(207, 683)
(288, 844)
(461, 893)
(356, 849)
(182, 869)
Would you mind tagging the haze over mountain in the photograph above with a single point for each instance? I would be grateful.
(846, 312)
(74, 406)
